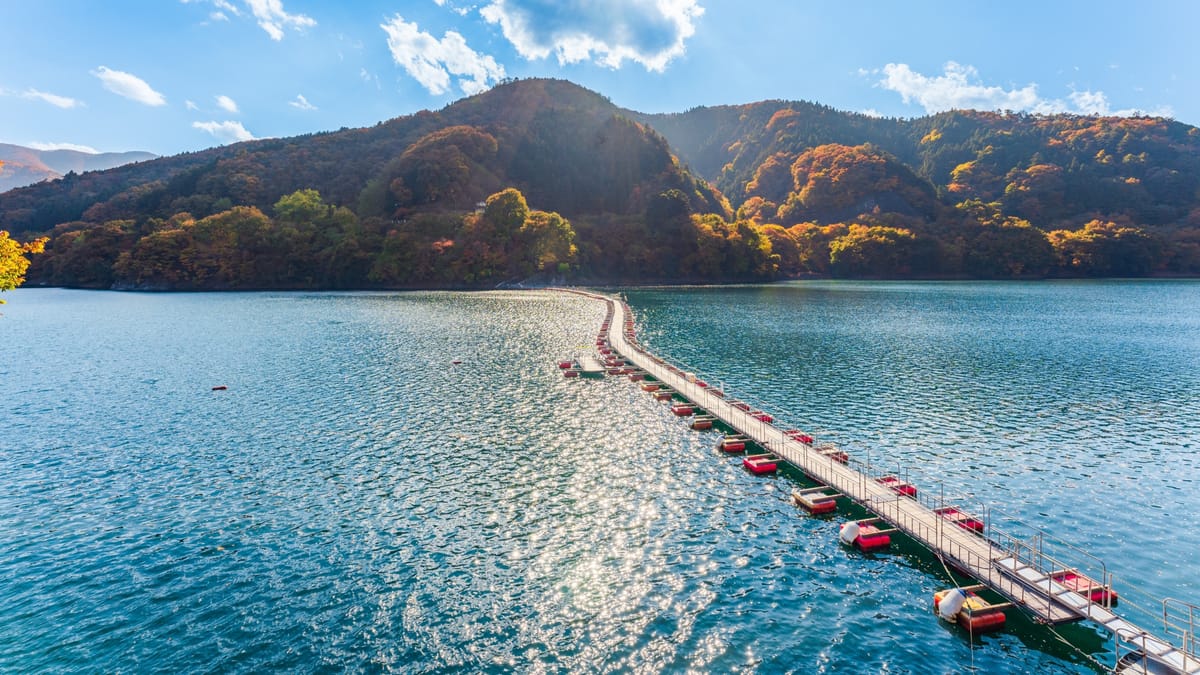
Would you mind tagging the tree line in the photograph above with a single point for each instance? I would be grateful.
(306, 243)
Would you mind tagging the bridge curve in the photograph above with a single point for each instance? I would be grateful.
(1007, 565)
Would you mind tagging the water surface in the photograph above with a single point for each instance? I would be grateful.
(356, 501)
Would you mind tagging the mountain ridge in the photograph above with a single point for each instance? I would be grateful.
(752, 191)
(21, 166)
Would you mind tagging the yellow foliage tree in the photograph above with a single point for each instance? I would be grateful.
(13, 260)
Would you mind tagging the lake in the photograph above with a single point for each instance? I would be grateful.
(356, 501)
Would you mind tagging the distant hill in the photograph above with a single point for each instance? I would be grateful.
(26, 166)
(542, 178)
(1054, 170)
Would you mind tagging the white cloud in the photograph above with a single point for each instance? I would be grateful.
(461, 11)
(273, 19)
(271, 15)
(131, 87)
(960, 87)
(369, 77)
(227, 104)
(226, 132)
(302, 103)
(1090, 102)
(870, 112)
(432, 62)
(609, 31)
(53, 99)
(64, 146)
(191, 105)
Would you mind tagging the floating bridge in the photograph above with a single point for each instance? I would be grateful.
(1046, 588)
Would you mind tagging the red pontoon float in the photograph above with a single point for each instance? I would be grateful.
(683, 409)
(733, 443)
(1089, 588)
(970, 611)
(960, 518)
(816, 500)
(797, 435)
(865, 536)
(761, 464)
(833, 453)
(898, 486)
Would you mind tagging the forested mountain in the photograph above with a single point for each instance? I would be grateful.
(21, 166)
(1016, 194)
(544, 178)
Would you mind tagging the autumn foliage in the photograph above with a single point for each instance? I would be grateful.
(540, 180)
(14, 260)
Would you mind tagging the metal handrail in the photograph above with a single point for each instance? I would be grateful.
(1187, 635)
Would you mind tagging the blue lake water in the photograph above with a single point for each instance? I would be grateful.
(355, 501)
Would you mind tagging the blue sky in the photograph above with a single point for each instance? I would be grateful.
(171, 76)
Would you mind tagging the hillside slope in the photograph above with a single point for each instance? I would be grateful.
(1053, 170)
(538, 178)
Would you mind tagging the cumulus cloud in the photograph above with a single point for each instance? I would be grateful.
(226, 132)
(651, 33)
(960, 87)
(53, 99)
(227, 104)
(301, 103)
(130, 86)
(432, 62)
(273, 19)
(64, 146)
(957, 87)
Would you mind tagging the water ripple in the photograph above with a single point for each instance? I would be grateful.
(358, 501)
